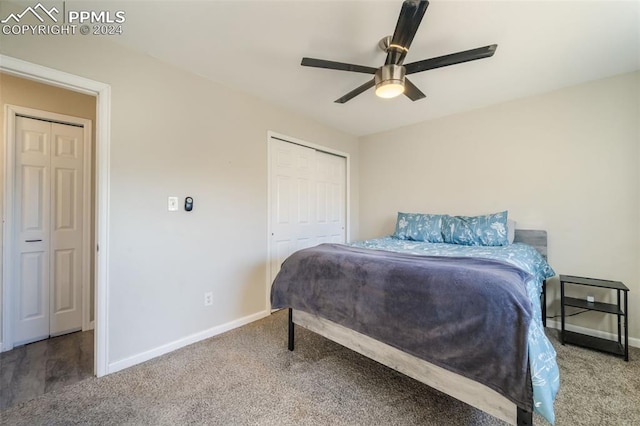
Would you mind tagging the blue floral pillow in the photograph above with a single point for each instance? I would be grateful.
(487, 230)
(419, 227)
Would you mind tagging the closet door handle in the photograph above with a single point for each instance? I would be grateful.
(32, 241)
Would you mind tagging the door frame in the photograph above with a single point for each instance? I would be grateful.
(9, 243)
(273, 135)
(102, 91)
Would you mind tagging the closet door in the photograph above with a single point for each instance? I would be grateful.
(48, 291)
(67, 154)
(292, 200)
(33, 200)
(330, 181)
(308, 200)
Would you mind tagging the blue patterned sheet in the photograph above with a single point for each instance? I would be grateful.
(545, 376)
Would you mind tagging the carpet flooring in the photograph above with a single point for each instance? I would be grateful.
(248, 377)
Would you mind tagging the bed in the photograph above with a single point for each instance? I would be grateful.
(494, 358)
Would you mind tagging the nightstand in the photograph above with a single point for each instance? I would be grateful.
(620, 310)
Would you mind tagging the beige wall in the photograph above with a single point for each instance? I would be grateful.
(27, 93)
(177, 134)
(567, 161)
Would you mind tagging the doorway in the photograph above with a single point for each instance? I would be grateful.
(51, 171)
(102, 92)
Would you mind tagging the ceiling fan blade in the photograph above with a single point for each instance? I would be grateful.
(451, 59)
(340, 66)
(411, 91)
(355, 92)
(408, 22)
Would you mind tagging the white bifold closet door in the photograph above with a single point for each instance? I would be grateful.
(308, 199)
(49, 229)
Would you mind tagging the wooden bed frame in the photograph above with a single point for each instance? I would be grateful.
(455, 385)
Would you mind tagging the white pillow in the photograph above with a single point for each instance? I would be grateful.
(511, 230)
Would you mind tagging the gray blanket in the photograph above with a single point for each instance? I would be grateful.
(468, 315)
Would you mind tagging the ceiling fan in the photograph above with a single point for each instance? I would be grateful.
(390, 79)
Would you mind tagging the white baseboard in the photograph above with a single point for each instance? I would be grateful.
(591, 332)
(185, 341)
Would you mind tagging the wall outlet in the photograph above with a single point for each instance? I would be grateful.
(208, 298)
(591, 299)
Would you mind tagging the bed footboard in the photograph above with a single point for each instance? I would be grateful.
(455, 385)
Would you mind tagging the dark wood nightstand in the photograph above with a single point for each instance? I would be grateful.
(620, 309)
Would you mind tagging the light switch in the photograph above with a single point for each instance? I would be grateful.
(173, 204)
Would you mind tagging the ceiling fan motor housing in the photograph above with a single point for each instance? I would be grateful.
(390, 74)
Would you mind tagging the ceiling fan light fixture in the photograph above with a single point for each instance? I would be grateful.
(388, 90)
(389, 81)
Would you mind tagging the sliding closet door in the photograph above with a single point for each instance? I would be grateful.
(330, 182)
(307, 200)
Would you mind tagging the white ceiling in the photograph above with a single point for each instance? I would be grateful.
(256, 47)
